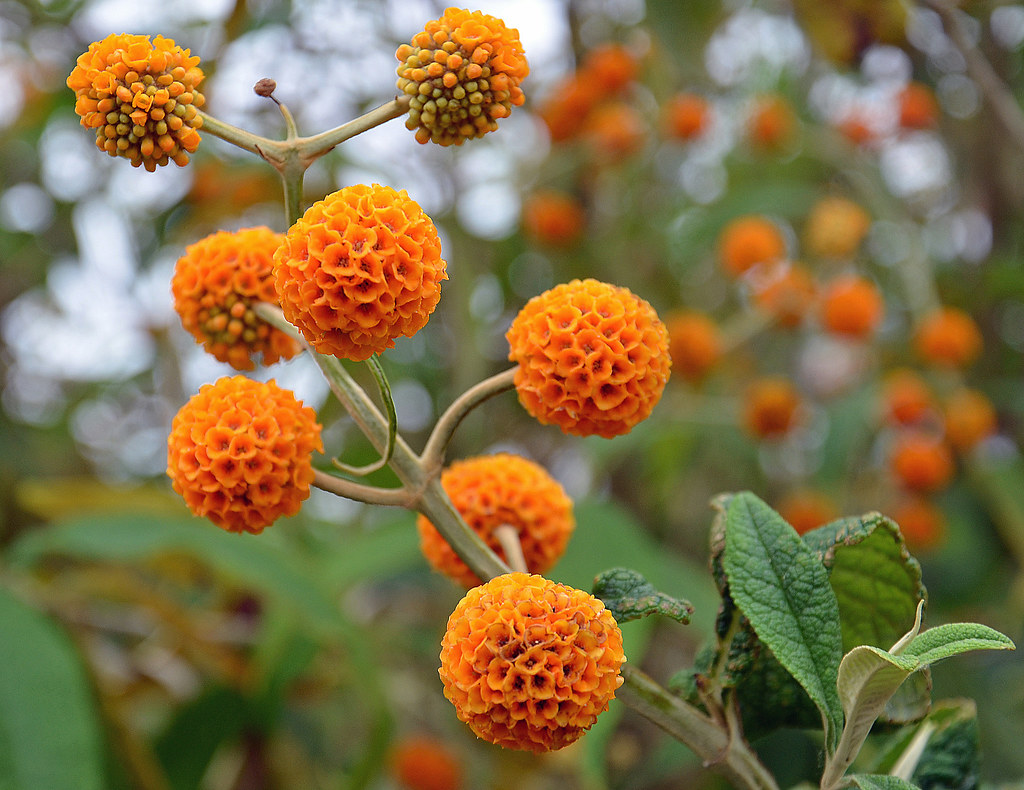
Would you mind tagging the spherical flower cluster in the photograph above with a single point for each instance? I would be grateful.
(770, 407)
(496, 490)
(835, 228)
(970, 418)
(240, 453)
(785, 291)
(948, 337)
(686, 116)
(216, 284)
(422, 762)
(921, 462)
(694, 342)
(141, 98)
(918, 108)
(772, 124)
(921, 523)
(529, 663)
(553, 218)
(360, 268)
(615, 130)
(462, 74)
(748, 241)
(593, 358)
(851, 306)
(806, 509)
(907, 399)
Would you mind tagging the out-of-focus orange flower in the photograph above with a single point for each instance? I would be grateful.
(921, 522)
(918, 106)
(970, 417)
(907, 399)
(920, 461)
(491, 491)
(216, 285)
(694, 343)
(360, 268)
(786, 291)
(462, 74)
(421, 762)
(141, 98)
(851, 306)
(948, 337)
(805, 509)
(553, 218)
(770, 407)
(747, 241)
(610, 67)
(772, 124)
(856, 129)
(686, 116)
(593, 358)
(566, 110)
(614, 131)
(835, 228)
(240, 453)
(530, 664)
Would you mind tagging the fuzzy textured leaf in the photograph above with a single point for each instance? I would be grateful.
(953, 639)
(782, 588)
(629, 596)
(879, 782)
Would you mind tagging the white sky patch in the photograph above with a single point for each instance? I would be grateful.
(754, 45)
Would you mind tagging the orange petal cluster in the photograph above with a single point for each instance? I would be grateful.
(921, 462)
(240, 453)
(553, 218)
(907, 398)
(216, 285)
(948, 337)
(141, 98)
(835, 228)
(851, 306)
(462, 74)
(422, 762)
(494, 490)
(785, 291)
(805, 509)
(360, 268)
(770, 407)
(747, 241)
(529, 663)
(686, 116)
(970, 418)
(593, 358)
(694, 342)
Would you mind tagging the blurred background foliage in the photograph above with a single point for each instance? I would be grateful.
(166, 654)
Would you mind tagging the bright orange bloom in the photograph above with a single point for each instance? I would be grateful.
(772, 124)
(216, 284)
(806, 509)
(970, 418)
(530, 664)
(785, 291)
(421, 762)
(686, 116)
(921, 462)
(851, 306)
(609, 67)
(593, 358)
(141, 98)
(921, 522)
(462, 74)
(748, 241)
(495, 490)
(553, 218)
(360, 268)
(906, 396)
(240, 453)
(918, 107)
(770, 408)
(694, 343)
(835, 228)
(948, 337)
(615, 130)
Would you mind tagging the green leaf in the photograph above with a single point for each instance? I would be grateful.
(629, 596)
(783, 589)
(49, 730)
(879, 782)
(951, 756)
(953, 639)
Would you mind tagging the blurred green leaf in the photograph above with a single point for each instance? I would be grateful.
(880, 782)
(49, 730)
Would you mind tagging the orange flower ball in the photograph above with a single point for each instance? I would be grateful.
(360, 268)
(240, 453)
(948, 337)
(141, 97)
(566, 110)
(610, 68)
(614, 131)
(553, 218)
(772, 124)
(856, 129)
(921, 462)
(748, 241)
(530, 664)
(805, 509)
(770, 408)
(970, 418)
(694, 343)
(835, 228)
(462, 74)
(920, 521)
(424, 763)
(495, 490)
(786, 292)
(686, 116)
(593, 358)
(216, 284)
(918, 107)
(851, 306)
(906, 396)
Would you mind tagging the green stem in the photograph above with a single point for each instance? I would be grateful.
(311, 148)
